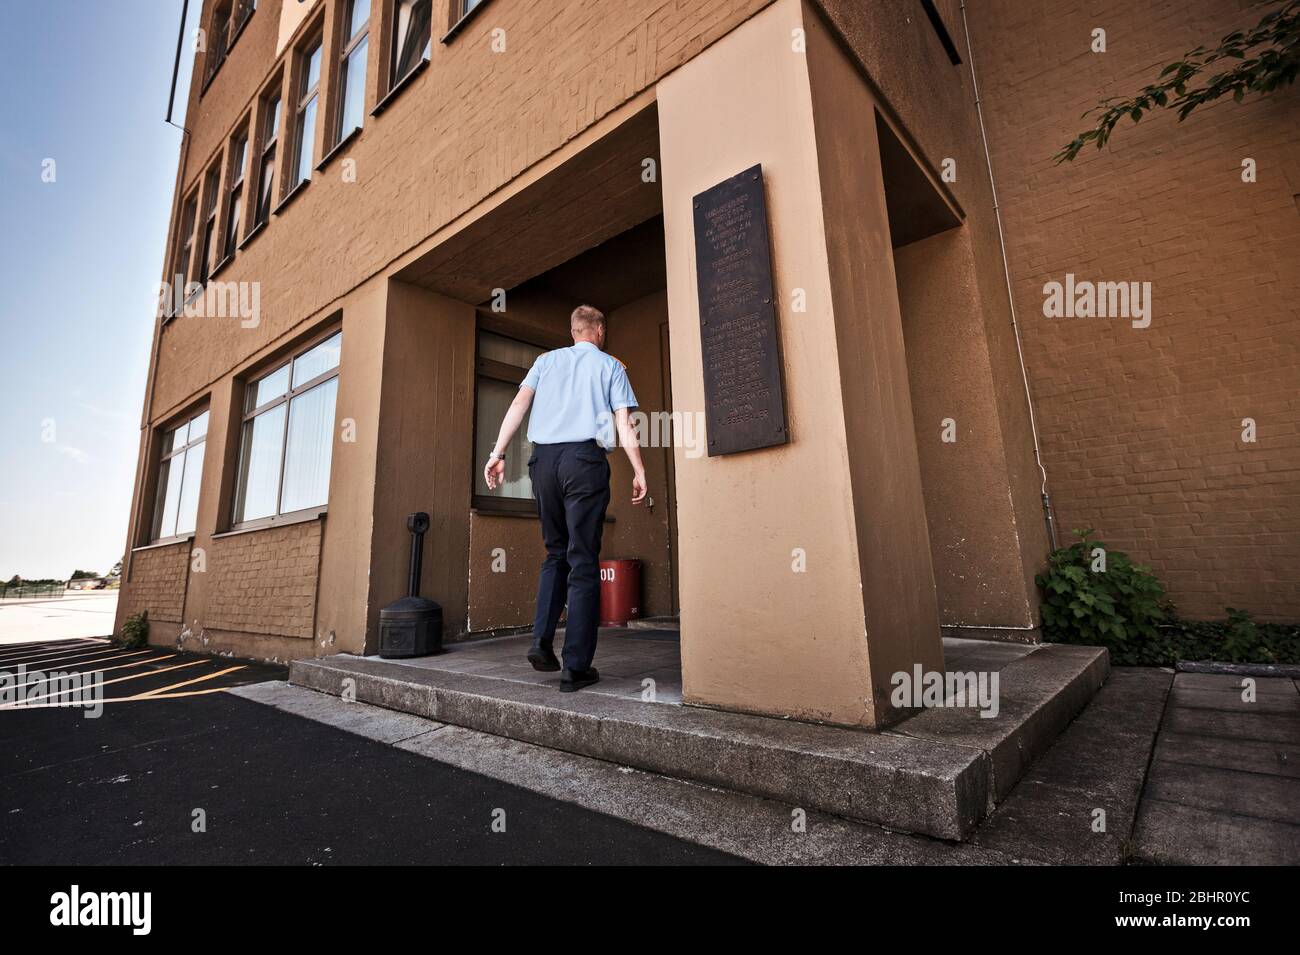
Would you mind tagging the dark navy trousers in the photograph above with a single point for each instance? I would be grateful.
(571, 487)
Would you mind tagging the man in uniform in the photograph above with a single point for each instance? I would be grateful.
(582, 395)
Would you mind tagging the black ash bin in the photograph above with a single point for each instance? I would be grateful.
(412, 626)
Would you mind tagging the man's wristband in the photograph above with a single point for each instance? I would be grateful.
(494, 457)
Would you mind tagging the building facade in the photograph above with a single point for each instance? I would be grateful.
(385, 210)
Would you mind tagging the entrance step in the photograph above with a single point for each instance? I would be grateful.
(655, 623)
(933, 776)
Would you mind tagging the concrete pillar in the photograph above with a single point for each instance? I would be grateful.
(805, 569)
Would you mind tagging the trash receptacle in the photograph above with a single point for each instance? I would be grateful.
(620, 592)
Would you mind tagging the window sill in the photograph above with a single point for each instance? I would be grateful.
(270, 523)
(338, 148)
(460, 24)
(248, 237)
(164, 542)
(400, 85)
(293, 194)
(220, 266)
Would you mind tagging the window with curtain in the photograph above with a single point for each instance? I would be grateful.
(266, 166)
(305, 117)
(352, 68)
(185, 240)
(502, 364)
(412, 36)
(180, 472)
(287, 438)
(235, 195)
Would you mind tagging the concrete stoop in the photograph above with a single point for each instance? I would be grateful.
(938, 772)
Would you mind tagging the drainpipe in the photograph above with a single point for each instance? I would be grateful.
(1011, 298)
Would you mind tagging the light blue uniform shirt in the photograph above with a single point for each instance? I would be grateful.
(578, 390)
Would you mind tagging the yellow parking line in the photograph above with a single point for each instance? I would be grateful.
(120, 666)
(120, 679)
(119, 699)
(61, 656)
(199, 679)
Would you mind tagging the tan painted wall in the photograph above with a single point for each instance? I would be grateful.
(745, 100)
(424, 447)
(968, 497)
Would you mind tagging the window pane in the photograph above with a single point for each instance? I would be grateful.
(188, 508)
(318, 360)
(259, 465)
(313, 69)
(174, 439)
(310, 446)
(306, 141)
(272, 121)
(360, 14)
(354, 89)
(272, 386)
(198, 426)
(507, 350)
(264, 188)
(412, 34)
(494, 397)
(169, 492)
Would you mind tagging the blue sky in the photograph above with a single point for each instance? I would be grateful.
(85, 83)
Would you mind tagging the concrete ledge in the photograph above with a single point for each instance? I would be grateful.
(917, 785)
(939, 772)
(1039, 694)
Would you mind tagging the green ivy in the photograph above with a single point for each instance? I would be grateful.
(135, 631)
(1119, 607)
(1099, 597)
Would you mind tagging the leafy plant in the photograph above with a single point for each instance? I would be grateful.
(135, 631)
(1268, 58)
(1100, 597)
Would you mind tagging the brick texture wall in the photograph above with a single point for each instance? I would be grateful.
(1142, 428)
(265, 581)
(468, 125)
(157, 584)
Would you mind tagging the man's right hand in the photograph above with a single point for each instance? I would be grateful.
(638, 487)
(494, 473)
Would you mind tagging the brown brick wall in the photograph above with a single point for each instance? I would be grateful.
(264, 581)
(157, 584)
(472, 122)
(1141, 428)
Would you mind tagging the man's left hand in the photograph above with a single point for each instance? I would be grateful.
(494, 473)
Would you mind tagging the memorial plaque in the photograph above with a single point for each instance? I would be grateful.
(743, 403)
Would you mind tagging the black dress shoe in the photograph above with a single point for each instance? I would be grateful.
(543, 659)
(571, 680)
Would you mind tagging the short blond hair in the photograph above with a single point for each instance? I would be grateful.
(585, 318)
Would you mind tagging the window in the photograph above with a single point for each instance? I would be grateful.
(228, 19)
(210, 185)
(287, 439)
(185, 241)
(218, 38)
(180, 473)
(352, 68)
(411, 36)
(235, 197)
(305, 119)
(266, 173)
(502, 365)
